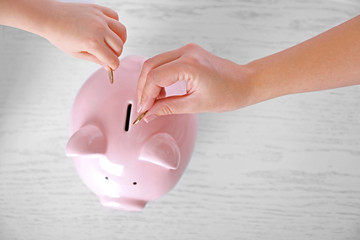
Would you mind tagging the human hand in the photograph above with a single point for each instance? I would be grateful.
(86, 31)
(213, 83)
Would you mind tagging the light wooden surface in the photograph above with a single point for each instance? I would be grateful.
(288, 168)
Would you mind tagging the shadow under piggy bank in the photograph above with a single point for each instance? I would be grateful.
(126, 165)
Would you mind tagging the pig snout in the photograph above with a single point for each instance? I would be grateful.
(122, 203)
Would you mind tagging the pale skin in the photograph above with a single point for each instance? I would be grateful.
(329, 60)
(85, 31)
(214, 84)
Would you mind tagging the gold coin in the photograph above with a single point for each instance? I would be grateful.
(111, 76)
(140, 117)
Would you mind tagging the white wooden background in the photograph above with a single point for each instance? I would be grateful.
(287, 169)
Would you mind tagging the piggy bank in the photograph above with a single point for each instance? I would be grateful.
(126, 165)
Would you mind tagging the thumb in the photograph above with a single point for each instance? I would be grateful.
(171, 105)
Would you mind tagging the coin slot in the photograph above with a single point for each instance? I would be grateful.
(128, 113)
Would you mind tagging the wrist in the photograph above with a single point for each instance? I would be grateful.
(32, 16)
(45, 22)
(257, 83)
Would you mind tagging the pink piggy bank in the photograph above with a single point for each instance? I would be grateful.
(126, 165)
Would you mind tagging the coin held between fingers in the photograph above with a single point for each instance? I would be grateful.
(111, 76)
(141, 116)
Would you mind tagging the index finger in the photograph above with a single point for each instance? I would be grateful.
(108, 12)
(161, 77)
(151, 64)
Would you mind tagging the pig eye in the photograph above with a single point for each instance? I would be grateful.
(106, 178)
(134, 183)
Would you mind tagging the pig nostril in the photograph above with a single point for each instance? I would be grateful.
(134, 183)
(106, 178)
(128, 113)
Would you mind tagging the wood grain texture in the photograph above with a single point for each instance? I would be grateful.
(288, 168)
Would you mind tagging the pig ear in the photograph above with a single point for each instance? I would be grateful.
(88, 140)
(161, 149)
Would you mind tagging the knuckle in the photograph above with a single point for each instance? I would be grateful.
(116, 15)
(166, 110)
(190, 59)
(191, 46)
(114, 62)
(92, 43)
(94, 6)
(147, 65)
(151, 76)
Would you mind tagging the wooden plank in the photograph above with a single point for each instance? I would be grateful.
(288, 168)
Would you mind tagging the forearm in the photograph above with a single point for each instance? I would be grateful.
(32, 16)
(329, 60)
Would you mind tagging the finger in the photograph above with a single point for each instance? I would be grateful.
(152, 63)
(160, 77)
(119, 29)
(108, 12)
(114, 42)
(162, 94)
(173, 105)
(105, 54)
(87, 56)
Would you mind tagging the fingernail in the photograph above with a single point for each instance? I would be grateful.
(149, 118)
(139, 108)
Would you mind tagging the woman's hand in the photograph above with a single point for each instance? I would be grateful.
(329, 60)
(213, 83)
